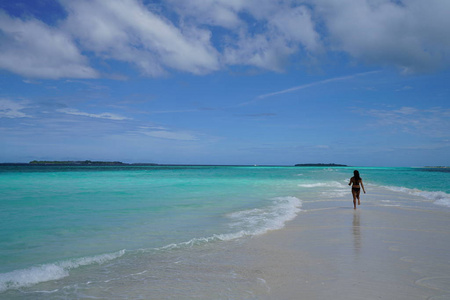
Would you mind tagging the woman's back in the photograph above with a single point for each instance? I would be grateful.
(355, 181)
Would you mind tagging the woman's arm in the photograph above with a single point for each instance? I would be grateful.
(362, 185)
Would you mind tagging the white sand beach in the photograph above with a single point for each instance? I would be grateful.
(372, 253)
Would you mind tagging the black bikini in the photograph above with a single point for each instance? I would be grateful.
(355, 189)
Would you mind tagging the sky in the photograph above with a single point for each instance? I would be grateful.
(266, 82)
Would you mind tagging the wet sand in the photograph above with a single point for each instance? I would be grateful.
(375, 252)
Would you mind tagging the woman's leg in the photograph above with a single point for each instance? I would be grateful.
(357, 196)
(354, 199)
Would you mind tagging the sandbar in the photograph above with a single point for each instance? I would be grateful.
(374, 252)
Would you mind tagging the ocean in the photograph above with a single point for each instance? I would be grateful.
(168, 232)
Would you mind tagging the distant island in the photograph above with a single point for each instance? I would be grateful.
(320, 165)
(437, 167)
(84, 163)
(69, 163)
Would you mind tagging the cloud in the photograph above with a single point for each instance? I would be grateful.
(170, 135)
(411, 35)
(106, 115)
(296, 25)
(211, 12)
(427, 122)
(260, 33)
(12, 109)
(33, 49)
(167, 134)
(308, 85)
(127, 31)
(404, 88)
(203, 36)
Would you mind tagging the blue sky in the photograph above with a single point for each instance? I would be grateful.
(358, 82)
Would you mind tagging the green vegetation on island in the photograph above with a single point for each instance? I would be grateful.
(71, 162)
(83, 163)
(320, 165)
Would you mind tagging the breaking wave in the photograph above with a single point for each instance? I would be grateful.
(47, 272)
(253, 221)
(438, 198)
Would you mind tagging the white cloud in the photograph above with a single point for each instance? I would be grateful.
(308, 85)
(433, 122)
(404, 88)
(106, 115)
(126, 30)
(203, 36)
(163, 133)
(263, 33)
(12, 109)
(223, 13)
(412, 35)
(170, 135)
(261, 51)
(33, 49)
(296, 25)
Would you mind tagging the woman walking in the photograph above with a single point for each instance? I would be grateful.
(356, 183)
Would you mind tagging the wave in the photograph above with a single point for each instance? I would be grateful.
(54, 271)
(331, 184)
(260, 220)
(252, 222)
(438, 198)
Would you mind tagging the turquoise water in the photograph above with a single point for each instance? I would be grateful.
(59, 221)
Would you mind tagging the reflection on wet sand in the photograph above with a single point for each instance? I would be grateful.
(356, 232)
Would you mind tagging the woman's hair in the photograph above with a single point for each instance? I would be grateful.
(356, 176)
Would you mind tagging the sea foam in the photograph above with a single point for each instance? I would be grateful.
(438, 198)
(252, 222)
(261, 220)
(54, 271)
(330, 184)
